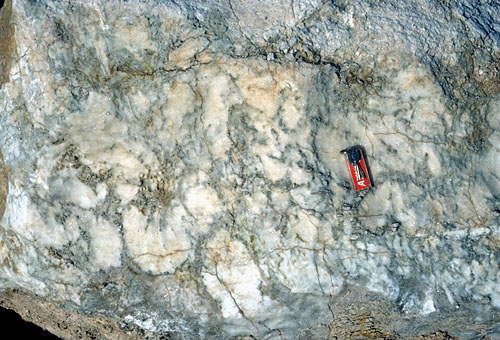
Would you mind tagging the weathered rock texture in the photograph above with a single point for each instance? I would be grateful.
(171, 169)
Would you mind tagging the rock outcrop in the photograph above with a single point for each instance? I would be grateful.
(172, 169)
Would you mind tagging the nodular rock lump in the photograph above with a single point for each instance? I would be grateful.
(171, 170)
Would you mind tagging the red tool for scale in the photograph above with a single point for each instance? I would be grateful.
(357, 167)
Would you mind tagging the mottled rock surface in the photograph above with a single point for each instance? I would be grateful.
(171, 169)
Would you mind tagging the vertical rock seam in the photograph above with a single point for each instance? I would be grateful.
(6, 41)
(6, 48)
(4, 186)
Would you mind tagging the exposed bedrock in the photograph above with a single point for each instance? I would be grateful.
(172, 169)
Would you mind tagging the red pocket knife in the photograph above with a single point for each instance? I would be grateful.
(357, 167)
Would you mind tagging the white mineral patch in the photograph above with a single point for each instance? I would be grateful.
(126, 192)
(155, 248)
(493, 114)
(275, 169)
(27, 221)
(234, 279)
(202, 202)
(106, 245)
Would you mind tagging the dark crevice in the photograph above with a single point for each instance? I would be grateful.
(23, 329)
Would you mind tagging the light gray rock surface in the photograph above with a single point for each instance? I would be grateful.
(171, 169)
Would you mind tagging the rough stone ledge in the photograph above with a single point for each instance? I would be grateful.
(65, 323)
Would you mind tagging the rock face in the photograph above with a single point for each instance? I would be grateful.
(171, 169)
